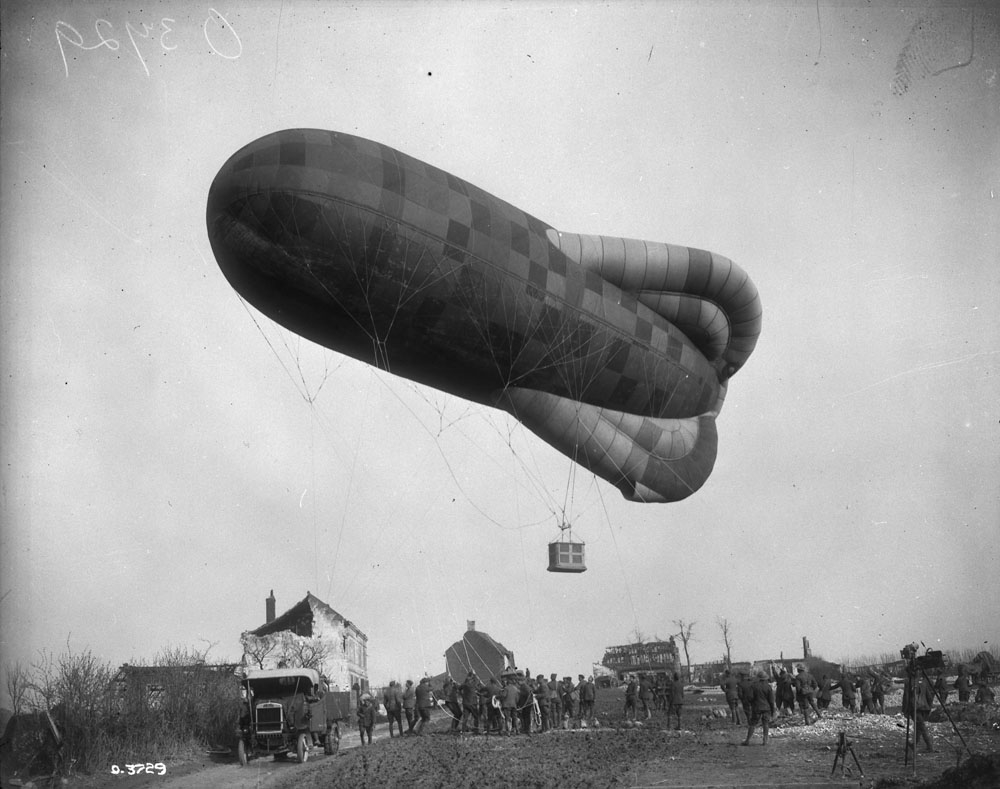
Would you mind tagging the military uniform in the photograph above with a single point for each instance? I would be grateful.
(805, 689)
(918, 699)
(730, 686)
(762, 707)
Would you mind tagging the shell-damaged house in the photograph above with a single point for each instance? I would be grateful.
(653, 657)
(480, 653)
(310, 634)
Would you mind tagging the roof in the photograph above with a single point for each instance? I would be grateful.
(152, 673)
(279, 673)
(477, 651)
(309, 606)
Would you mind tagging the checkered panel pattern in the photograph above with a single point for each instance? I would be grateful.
(482, 297)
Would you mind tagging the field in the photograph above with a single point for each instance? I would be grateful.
(706, 752)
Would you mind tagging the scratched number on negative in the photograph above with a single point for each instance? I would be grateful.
(157, 768)
(223, 40)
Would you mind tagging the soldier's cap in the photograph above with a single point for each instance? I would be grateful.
(761, 675)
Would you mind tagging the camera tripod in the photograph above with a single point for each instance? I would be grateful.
(843, 746)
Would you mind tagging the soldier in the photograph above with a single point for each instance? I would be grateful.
(366, 718)
(984, 694)
(452, 692)
(846, 686)
(645, 696)
(660, 692)
(677, 698)
(865, 689)
(392, 700)
(878, 694)
(730, 686)
(470, 702)
(825, 693)
(425, 703)
(410, 706)
(761, 706)
(631, 694)
(494, 717)
(805, 688)
(940, 688)
(525, 698)
(785, 694)
(743, 692)
(588, 692)
(508, 706)
(918, 699)
(555, 702)
(542, 699)
(963, 684)
(566, 692)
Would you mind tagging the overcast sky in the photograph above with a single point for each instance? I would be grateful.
(169, 455)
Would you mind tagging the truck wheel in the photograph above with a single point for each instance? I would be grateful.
(331, 744)
(241, 751)
(303, 748)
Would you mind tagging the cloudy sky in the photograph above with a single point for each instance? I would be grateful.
(169, 455)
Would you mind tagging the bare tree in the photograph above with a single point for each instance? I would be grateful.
(685, 636)
(727, 638)
(309, 653)
(18, 684)
(638, 636)
(257, 648)
(203, 654)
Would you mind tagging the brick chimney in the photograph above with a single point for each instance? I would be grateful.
(269, 609)
(470, 625)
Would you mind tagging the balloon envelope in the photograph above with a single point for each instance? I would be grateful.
(615, 351)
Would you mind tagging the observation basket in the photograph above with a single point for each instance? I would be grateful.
(567, 555)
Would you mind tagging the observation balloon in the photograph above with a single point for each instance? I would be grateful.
(615, 351)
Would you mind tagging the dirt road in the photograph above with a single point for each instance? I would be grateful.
(706, 752)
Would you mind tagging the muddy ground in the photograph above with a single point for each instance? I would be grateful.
(706, 752)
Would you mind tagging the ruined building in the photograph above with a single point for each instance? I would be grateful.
(310, 634)
(653, 657)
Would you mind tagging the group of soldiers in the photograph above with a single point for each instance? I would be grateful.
(761, 703)
(659, 693)
(754, 701)
(803, 689)
(516, 703)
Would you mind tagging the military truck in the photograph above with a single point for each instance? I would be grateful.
(286, 711)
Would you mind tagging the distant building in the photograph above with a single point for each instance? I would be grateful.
(651, 657)
(479, 652)
(153, 687)
(310, 634)
(817, 666)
